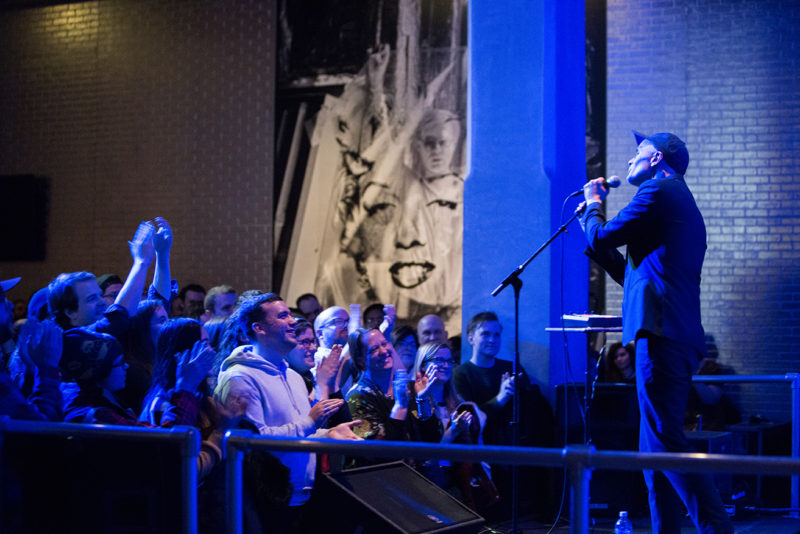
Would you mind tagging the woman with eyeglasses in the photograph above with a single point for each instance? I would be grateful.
(457, 421)
(434, 361)
(323, 384)
(301, 358)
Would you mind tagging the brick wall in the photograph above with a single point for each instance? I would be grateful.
(723, 75)
(137, 109)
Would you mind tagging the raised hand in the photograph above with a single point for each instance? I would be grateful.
(41, 343)
(376, 65)
(400, 388)
(322, 410)
(595, 191)
(389, 317)
(162, 240)
(194, 365)
(423, 383)
(506, 388)
(141, 245)
(51, 344)
(328, 369)
(459, 424)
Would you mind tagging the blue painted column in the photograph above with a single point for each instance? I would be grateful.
(527, 152)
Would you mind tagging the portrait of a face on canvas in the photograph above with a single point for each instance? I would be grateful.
(380, 215)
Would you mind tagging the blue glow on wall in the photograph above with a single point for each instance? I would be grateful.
(526, 138)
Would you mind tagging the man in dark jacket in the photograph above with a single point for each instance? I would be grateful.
(666, 242)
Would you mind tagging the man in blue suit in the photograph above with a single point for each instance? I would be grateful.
(666, 242)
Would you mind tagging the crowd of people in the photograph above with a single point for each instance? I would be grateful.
(104, 350)
(112, 350)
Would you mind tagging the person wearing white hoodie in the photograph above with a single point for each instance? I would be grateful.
(277, 399)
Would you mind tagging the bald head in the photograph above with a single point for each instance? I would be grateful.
(430, 329)
(331, 326)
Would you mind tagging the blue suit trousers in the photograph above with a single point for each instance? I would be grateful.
(664, 371)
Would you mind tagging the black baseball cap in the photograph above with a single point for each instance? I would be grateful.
(670, 145)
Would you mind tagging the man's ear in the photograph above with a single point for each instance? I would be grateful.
(71, 315)
(258, 328)
(470, 339)
(656, 158)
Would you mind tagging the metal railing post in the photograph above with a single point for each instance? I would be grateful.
(795, 378)
(580, 474)
(4, 419)
(234, 456)
(191, 448)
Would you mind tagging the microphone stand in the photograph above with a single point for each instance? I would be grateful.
(514, 281)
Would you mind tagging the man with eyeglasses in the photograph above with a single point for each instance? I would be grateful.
(331, 329)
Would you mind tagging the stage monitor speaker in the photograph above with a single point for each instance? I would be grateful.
(394, 497)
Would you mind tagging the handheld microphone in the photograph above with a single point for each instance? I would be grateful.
(610, 182)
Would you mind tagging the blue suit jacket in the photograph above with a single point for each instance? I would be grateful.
(666, 242)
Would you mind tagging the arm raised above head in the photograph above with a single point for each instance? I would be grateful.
(142, 252)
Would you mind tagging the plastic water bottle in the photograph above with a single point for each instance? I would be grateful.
(623, 524)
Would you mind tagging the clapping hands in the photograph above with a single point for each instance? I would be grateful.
(423, 383)
(162, 239)
(400, 388)
(41, 343)
(322, 410)
(141, 246)
(194, 365)
(328, 370)
(459, 425)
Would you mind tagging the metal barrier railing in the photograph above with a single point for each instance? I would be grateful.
(186, 437)
(794, 380)
(579, 461)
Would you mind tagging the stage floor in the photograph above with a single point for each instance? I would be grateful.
(756, 525)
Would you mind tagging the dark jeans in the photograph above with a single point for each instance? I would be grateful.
(664, 371)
